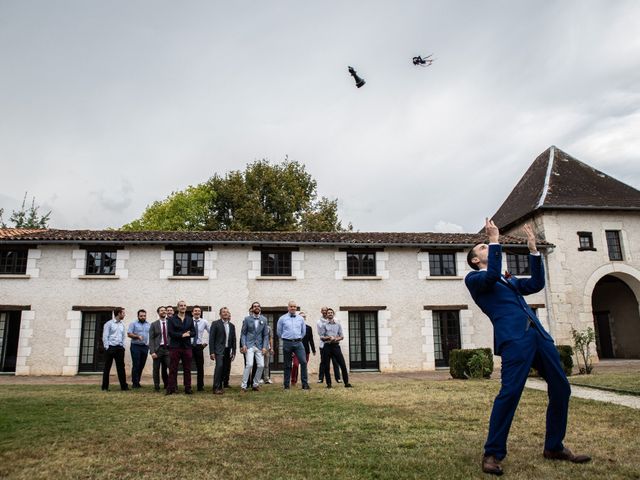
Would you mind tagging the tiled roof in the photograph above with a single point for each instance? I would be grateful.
(556, 180)
(12, 232)
(249, 238)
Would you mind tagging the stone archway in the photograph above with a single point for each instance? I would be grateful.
(614, 291)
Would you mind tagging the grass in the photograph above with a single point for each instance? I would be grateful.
(400, 430)
(624, 382)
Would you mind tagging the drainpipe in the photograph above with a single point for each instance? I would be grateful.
(550, 313)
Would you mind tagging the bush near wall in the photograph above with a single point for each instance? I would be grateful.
(566, 359)
(465, 363)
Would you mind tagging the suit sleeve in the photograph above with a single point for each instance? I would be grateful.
(479, 281)
(243, 333)
(172, 331)
(265, 335)
(212, 338)
(535, 283)
(232, 338)
(312, 344)
(153, 344)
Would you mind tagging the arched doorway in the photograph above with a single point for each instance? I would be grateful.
(616, 318)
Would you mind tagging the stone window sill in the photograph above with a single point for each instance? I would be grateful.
(99, 277)
(275, 278)
(363, 277)
(15, 275)
(188, 277)
(443, 277)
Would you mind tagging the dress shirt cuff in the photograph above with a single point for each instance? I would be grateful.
(535, 254)
(494, 243)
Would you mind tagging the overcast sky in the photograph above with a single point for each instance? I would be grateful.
(106, 107)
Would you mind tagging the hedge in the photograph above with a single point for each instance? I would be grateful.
(566, 359)
(465, 363)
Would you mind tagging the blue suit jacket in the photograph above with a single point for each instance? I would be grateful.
(250, 337)
(503, 302)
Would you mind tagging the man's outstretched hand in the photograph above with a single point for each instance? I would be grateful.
(491, 230)
(531, 238)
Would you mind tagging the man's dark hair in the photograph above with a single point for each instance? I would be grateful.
(196, 306)
(170, 306)
(117, 311)
(331, 310)
(158, 309)
(141, 310)
(223, 308)
(471, 255)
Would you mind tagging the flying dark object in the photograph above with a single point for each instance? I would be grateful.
(359, 81)
(423, 62)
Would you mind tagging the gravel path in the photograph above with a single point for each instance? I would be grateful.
(591, 394)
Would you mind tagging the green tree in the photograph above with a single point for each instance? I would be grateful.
(27, 217)
(262, 197)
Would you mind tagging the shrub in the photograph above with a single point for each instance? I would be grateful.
(566, 358)
(582, 340)
(471, 363)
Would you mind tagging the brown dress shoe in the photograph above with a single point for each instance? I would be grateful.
(566, 454)
(491, 464)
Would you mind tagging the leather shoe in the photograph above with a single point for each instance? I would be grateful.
(218, 392)
(491, 464)
(255, 389)
(306, 386)
(566, 454)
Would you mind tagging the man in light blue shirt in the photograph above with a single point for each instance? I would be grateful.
(113, 341)
(291, 329)
(138, 332)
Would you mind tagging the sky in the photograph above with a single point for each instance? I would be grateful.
(106, 107)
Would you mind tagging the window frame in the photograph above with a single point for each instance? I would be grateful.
(18, 264)
(433, 255)
(101, 269)
(611, 247)
(192, 271)
(517, 257)
(588, 236)
(361, 268)
(283, 265)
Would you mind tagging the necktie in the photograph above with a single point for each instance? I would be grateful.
(195, 340)
(164, 334)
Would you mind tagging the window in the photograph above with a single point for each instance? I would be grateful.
(586, 241)
(446, 335)
(188, 263)
(442, 264)
(275, 263)
(101, 262)
(518, 263)
(361, 264)
(614, 245)
(13, 261)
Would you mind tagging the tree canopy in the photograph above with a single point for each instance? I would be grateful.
(262, 197)
(27, 217)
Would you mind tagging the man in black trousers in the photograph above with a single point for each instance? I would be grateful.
(222, 349)
(113, 341)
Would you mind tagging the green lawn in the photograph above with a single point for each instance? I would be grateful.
(625, 382)
(395, 430)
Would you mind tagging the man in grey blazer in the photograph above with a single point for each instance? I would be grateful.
(254, 343)
(159, 348)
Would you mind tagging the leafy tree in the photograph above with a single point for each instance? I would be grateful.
(262, 197)
(27, 217)
(185, 210)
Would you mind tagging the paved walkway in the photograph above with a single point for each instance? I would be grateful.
(591, 394)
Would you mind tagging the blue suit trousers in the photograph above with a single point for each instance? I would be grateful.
(518, 356)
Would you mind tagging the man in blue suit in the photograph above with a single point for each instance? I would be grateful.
(522, 342)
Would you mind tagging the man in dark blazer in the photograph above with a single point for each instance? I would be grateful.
(159, 349)
(522, 342)
(181, 330)
(222, 349)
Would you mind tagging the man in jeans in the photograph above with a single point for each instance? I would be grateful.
(113, 341)
(254, 343)
(291, 329)
(138, 332)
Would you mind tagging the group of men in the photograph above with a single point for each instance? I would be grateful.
(179, 337)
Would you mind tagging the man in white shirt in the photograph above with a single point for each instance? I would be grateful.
(113, 336)
(199, 342)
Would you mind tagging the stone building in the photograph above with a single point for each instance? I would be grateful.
(400, 296)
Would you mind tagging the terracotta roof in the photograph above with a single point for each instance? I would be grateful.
(556, 180)
(13, 232)
(251, 238)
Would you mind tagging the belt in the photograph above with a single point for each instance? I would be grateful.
(293, 339)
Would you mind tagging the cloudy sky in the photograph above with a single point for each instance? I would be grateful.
(106, 107)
